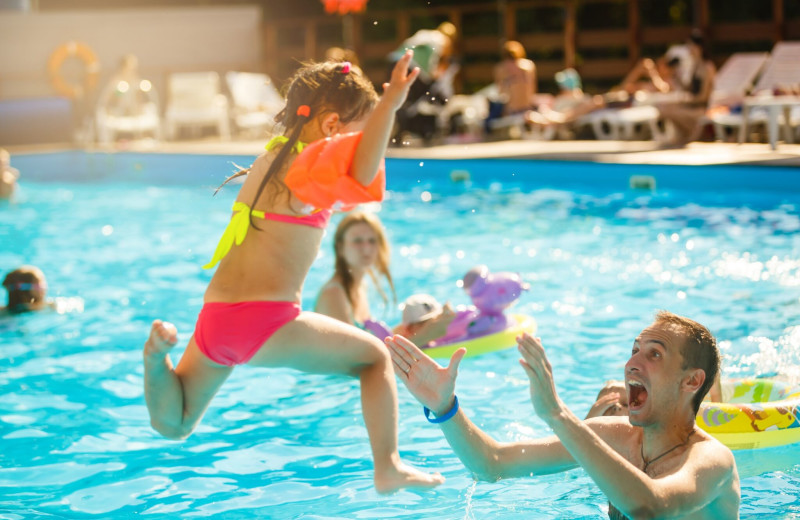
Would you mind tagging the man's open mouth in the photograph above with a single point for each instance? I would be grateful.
(637, 395)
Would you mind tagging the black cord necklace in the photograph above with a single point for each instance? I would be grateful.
(648, 462)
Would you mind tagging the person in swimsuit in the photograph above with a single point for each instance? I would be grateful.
(251, 313)
(687, 116)
(655, 462)
(360, 248)
(515, 77)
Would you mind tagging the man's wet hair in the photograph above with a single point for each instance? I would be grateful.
(699, 351)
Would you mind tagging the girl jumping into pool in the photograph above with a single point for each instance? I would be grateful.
(251, 312)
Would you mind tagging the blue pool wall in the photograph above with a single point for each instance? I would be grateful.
(170, 169)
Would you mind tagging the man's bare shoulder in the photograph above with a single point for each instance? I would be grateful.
(711, 451)
(709, 446)
(712, 465)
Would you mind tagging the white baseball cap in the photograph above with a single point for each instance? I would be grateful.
(420, 307)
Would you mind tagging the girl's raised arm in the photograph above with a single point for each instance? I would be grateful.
(378, 128)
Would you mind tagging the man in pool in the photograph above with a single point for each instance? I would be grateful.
(655, 462)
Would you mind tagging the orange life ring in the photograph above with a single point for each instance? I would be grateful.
(73, 50)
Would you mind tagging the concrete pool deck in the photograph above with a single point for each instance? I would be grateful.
(625, 152)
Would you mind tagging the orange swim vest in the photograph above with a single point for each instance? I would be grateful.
(320, 175)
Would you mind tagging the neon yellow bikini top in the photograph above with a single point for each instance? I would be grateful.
(282, 139)
(240, 221)
(320, 178)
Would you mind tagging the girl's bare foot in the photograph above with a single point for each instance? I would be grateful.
(163, 337)
(402, 476)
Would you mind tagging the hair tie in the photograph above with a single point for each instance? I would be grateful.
(304, 110)
(345, 67)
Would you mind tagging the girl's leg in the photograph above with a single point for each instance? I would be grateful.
(178, 398)
(319, 344)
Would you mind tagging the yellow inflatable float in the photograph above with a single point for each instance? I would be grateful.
(489, 343)
(757, 413)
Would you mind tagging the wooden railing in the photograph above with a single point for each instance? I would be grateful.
(601, 56)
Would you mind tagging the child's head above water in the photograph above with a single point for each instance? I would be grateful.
(27, 289)
(419, 308)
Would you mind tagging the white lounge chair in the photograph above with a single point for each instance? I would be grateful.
(195, 101)
(256, 101)
(731, 84)
(633, 123)
(782, 70)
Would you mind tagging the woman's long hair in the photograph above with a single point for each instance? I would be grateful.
(325, 88)
(342, 270)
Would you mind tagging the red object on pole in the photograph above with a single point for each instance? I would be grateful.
(344, 6)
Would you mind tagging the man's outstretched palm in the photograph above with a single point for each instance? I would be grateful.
(432, 384)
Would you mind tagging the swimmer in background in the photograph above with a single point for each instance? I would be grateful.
(27, 292)
(424, 319)
(360, 248)
(8, 176)
(251, 313)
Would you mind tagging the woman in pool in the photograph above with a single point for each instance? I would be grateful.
(251, 313)
(361, 249)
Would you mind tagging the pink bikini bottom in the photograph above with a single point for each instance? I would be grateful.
(231, 333)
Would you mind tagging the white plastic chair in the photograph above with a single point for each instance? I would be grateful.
(256, 101)
(195, 101)
(128, 109)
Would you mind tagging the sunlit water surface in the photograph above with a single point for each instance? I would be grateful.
(128, 233)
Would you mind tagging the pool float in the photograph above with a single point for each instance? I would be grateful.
(92, 69)
(481, 327)
(760, 413)
(477, 344)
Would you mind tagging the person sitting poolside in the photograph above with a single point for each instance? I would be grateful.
(568, 105)
(424, 319)
(654, 463)
(572, 103)
(515, 78)
(663, 75)
(8, 175)
(687, 117)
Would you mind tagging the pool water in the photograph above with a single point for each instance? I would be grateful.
(128, 233)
